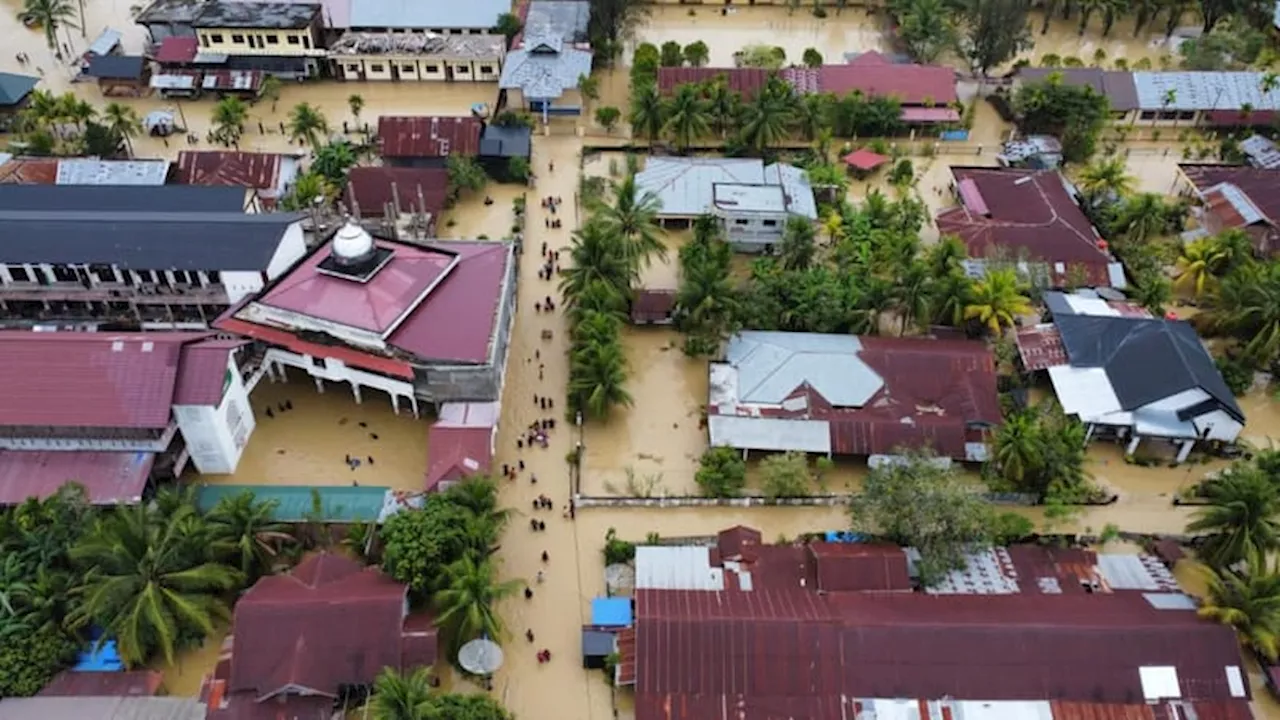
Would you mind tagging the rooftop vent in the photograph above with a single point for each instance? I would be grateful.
(354, 255)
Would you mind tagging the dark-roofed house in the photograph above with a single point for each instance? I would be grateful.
(1244, 198)
(267, 176)
(120, 74)
(1031, 217)
(301, 641)
(427, 141)
(1131, 377)
(90, 255)
(281, 38)
(846, 395)
(14, 90)
(106, 409)
(408, 190)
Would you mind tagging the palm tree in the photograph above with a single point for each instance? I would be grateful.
(228, 119)
(245, 535)
(797, 249)
(307, 123)
(403, 697)
(1240, 520)
(479, 496)
(951, 295)
(927, 29)
(1206, 260)
(356, 103)
(833, 226)
(1018, 446)
(465, 606)
(913, 294)
(76, 110)
(996, 301)
(1107, 179)
(648, 112)
(766, 119)
(270, 90)
(633, 217)
(598, 256)
(149, 581)
(723, 104)
(687, 118)
(49, 15)
(123, 121)
(43, 108)
(1249, 602)
(1249, 307)
(598, 367)
(1141, 217)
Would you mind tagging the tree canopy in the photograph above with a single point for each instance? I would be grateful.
(1074, 113)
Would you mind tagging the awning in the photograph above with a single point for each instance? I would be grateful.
(109, 478)
(289, 341)
(864, 159)
(930, 115)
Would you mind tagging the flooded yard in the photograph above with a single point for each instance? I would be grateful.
(187, 673)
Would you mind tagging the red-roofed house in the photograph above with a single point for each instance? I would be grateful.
(267, 176)
(427, 141)
(419, 322)
(409, 190)
(1245, 198)
(1030, 216)
(329, 626)
(460, 443)
(103, 409)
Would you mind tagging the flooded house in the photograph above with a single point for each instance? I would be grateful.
(848, 395)
(1129, 376)
(417, 55)
(427, 140)
(101, 256)
(541, 75)
(419, 322)
(1030, 218)
(266, 177)
(81, 171)
(116, 411)
(1064, 633)
(391, 193)
(752, 200)
(14, 90)
(1239, 198)
(279, 38)
(304, 642)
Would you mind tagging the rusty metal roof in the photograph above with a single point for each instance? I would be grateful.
(260, 171)
(858, 567)
(428, 136)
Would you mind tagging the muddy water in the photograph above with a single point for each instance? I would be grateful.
(1064, 40)
(184, 677)
(471, 218)
(308, 444)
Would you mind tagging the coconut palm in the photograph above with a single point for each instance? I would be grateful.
(228, 119)
(465, 605)
(479, 496)
(687, 117)
(706, 303)
(149, 580)
(1247, 600)
(43, 108)
(1240, 520)
(1018, 446)
(767, 118)
(270, 90)
(951, 294)
(1106, 179)
(307, 123)
(723, 104)
(1141, 217)
(245, 536)
(78, 111)
(1197, 267)
(1249, 307)
(648, 113)
(123, 121)
(403, 697)
(996, 301)
(49, 15)
(945, 256)
(913, 294)
(797, 249)
(927, 28)
(598, 367)
(833, 226)
(633, 217)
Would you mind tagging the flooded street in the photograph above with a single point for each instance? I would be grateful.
(185, 676)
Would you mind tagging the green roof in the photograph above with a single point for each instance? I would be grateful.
(13, 88)
(338, 504)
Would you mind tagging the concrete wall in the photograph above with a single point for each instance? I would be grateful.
(380, 67)
(299, 42)
(750, 232)
(216, 436)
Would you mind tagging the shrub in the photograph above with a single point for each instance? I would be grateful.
(721, 472)
(617, 551)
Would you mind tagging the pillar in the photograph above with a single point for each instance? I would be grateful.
(1088, 433)
(414, 401)
(355, 390)
(319, 384)
(395, 403)
(1185, 450)
(1133, 444)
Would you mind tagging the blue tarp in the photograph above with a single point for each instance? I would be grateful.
(611, 612)
(105, 658)
(844, 536)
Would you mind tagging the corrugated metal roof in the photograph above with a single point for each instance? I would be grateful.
(109, 478)
(101, 708)
(130, 683)
(376, 14)
(1135, 572)
(374, 187)
(204, 371)
(88, 171)
(428, 136)
(1203, 91)
(544, 69)
(771, 365)
(677, 568)
(683, 185)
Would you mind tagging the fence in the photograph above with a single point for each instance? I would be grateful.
(590, 501)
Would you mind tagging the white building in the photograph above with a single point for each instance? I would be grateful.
(1128, 375)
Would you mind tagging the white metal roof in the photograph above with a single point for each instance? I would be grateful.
(741, 197)
(89, 171)
(773, 434)
(1203, 91)
(683, 185)
(1159, 682)
(796, 187)
(414, 14)
(1086, 392)
(771, 365)
(683, 567)
(101, 708)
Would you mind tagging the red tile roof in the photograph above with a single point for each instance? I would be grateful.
(454, 453)
(747, 81)
(1027, 213)
(428, 136)
(330, 623)
(202, 374)
(260, 171)
(910, 84)
(372, 188)
(109, 478)
(864, 159)
(89, 380)
(177, 50)
(860, 567)
(1260, 186)
(133, 683)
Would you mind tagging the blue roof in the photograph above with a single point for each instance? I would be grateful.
(14, 87)
(611, 612)
(104, 658)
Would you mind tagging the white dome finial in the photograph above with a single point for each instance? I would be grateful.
(352, 243)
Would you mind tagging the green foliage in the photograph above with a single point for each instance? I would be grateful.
(996, 301)
(903, 173)
(245, 537)
(761, 56)
(465, 175)
(307, 124)
(927, 28)
(465, 605)
(608, 117)
(1242, 517)
(1231, 45)
(508, 26)
(811, 58)
(705, 301)
(1237, 374)
(919, 504)
(696, 53)
(518, 169)
(1074, 113)
(309, 187)
(229, 116)
(994, 31)
(1040, 450)
(611, 24)
(1009, 527)
(671, 54)
(617, 551)
(1247, 600)
(333, 160)
(1248, 309)
(101, 141)
(514, 118)
(29, 660)
(721, 472)
(401, 696)
(785, 475)
(355, 103)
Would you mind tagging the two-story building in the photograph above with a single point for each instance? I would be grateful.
(284, 39)
(418, 56)
(102, 257)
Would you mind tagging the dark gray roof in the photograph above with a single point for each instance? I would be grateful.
(565, 18)
(1117, 85)
(14, 87)
(506, 142)
(1145, 359)
(143, 240)
(256, 15)
(123, 198)
(178, 12)
(116, 67)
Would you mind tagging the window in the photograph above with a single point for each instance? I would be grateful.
(1186, 114)
(353, 68)
(19, 273)
(1147, 115)
(486, 69)
(104, 273)
(204, 41)
(1168, 115)
(215, 277)
(216, 38)
(306, 42)
(64, 273)
(408, 69)
(146, 276)
(475, 31)
(770, 223)
(433, 68)
(273, 39)
(463, 70)
(377, 67)
(318, 362)
(293, 39)
(239, 39)
(741, 221)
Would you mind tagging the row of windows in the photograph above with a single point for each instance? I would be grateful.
(410, 69)
(1167, 115)
(256, 40)
(766, 223)
(104, 273)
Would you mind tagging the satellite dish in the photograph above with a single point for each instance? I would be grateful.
(481, 656)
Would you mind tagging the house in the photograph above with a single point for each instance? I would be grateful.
(188, 71)
(384, 191)
(81, 171)
(110, 410)
(280, 38)
(419, 322)
(461, 443)
(500, 144)
(1127, 375)
(1175, 98)
(1031, 218)
(127, 75)
(427, 141)
(89, 683)
(14, 90)
(542, 75)
(1261, 152)
(104, 256)
(301, 642)
(831, 630)
(418, 56)
(753, 200)
(266, 176)
(470, 18)
(847, 395)
(101, 708)
(166, 19)
(1242, 198)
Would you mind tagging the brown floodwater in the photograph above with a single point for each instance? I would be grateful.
(190, 667)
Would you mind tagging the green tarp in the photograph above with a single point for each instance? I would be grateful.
(338, 504)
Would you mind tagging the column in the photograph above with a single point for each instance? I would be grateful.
(414, 401)
(395, 403)
(355, 390)
(1185, 450)
(319, 384)
(1133, 444)
(1088, 433)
